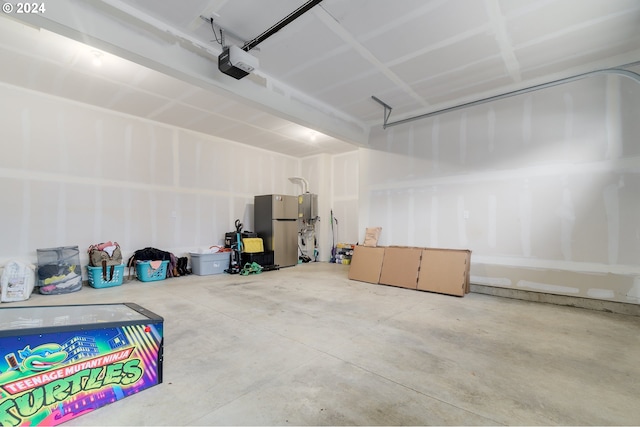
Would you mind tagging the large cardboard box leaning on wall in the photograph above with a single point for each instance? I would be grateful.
(400, 266)
(366, 264)
(445, 271)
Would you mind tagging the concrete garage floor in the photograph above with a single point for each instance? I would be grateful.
(306, 346)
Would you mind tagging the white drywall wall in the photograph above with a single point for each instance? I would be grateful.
(543, 188)
(335, 180)
(345, 175)
(73, 174)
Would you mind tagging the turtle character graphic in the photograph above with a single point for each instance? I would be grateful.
(41, 358)
(38, 359)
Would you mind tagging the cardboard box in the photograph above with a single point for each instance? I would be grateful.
(445, 271)
(366, 264)
(400, 266)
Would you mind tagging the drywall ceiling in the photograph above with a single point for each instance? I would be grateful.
(312, 91)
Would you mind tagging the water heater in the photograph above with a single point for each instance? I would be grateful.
(308, 207)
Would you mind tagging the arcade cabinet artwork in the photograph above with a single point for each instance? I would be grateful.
(59, 362)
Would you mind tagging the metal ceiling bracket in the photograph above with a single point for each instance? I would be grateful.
(387, 110)
(619, 71)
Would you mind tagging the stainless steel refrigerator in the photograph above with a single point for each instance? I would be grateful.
(276, 222)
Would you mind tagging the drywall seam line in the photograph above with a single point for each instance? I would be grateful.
(566, 31)
(526, 120)
(559, 265)
(435, 145)
(144, 119)
(152, 201)
(97, 214)
(492, 225)
(61, 214)
(346, 198)
(502, 37)
(463, 139)
(491, 130)
(25, 230)
(613, 119)
(611, 200)
(525, 216)
(462, 214)
(627, 165)
(33, 176)
(618, 71)
(348, 38)
(547, 287)
(411, 226)
(567, 217)
(491, 281)
(433, 220)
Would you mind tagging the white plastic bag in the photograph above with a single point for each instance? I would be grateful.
(17, 281)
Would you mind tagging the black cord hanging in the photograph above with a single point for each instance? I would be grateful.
(221, 41)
